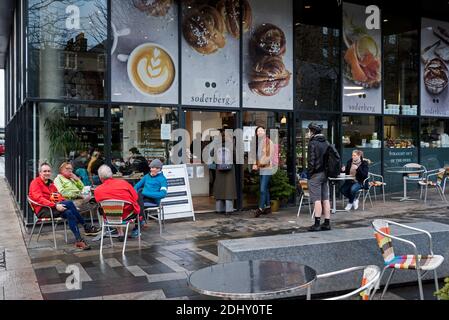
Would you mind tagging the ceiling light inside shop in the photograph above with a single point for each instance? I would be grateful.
(284, 120)
(307, 7)
(353, 88)
(354, 94)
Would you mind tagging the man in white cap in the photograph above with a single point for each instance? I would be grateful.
(152, 188)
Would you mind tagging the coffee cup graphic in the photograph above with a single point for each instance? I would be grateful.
(150, 69)
(116, 34)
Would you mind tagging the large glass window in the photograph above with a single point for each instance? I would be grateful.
(329, 125)
(401, 59)
(317, 55)
(400, 147)
(147, 129)
(67, 49)
(434, 143)
(363, 133)
(64, 130)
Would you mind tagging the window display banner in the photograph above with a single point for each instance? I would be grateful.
(210, 53)
(434, 68)
(362, 60)
(144, 53)
(268, 55)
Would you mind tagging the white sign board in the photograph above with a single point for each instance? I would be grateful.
(165, 131)
(178, 202)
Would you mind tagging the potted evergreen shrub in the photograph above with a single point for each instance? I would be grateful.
(443, 293)
(61, 136)
(280, 189)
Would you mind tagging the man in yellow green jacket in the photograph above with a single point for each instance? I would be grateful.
(71, 187)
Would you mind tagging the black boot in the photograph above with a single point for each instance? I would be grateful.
(326, 226)
(316, 226)
(258, 212)
(267, 210)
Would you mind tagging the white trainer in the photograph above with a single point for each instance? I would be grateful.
(348, 207)
(356, 204)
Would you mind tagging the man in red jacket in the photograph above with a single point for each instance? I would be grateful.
(44, 192)
(117, 189)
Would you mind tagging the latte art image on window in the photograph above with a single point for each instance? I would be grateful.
(150, 69)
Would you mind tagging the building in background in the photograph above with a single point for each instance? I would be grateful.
(116, 76)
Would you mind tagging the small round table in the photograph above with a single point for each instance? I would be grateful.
(341, 177)
(405, 171)
(254, 279)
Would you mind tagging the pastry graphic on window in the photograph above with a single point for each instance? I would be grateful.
(362, 57)
(268, 75)
(203, 29)
(230, 11)
(156, 8)
(435, 59)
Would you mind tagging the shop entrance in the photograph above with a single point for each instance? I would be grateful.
(302, 141)
(203, 126)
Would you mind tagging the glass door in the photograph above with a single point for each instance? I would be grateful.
(302, 141)
(202, 127)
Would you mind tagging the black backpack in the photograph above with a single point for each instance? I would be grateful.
(332, 162)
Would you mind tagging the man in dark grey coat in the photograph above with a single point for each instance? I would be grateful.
(318, 184)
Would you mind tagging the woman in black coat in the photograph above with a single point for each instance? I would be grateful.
(358, 168)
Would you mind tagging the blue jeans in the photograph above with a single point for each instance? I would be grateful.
(264, 191)
(350, 189)
(73, 217)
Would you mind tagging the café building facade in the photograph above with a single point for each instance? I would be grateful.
(110, 75)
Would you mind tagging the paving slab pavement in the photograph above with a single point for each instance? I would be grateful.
(158, 270)
(18, 280)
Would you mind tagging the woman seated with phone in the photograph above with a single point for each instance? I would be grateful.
(358, 168)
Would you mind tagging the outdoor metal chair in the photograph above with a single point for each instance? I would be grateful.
(415, 177)
(112, 217)
(155, 212)
(376, 181)
(370, 277)
(54, 222)
(413, 261)
(437, 179)
(303, 189)
(364, 193)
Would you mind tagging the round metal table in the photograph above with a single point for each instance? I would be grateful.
(341, 177)
(254, 279)
(405, 171)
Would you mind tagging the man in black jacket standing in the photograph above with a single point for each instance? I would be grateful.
(318, 184)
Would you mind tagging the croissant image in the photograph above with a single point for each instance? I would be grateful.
(268, 40)
(230, 10)
(156, 8)
(193, 3)
(203, 29)
(268, 76)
